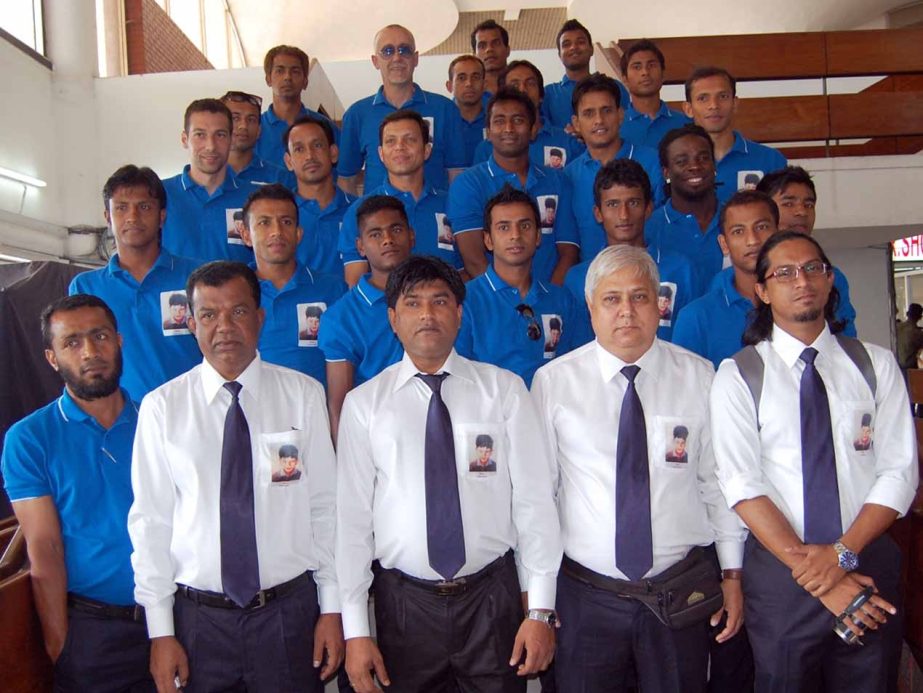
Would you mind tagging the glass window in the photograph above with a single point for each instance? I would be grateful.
(23, 20)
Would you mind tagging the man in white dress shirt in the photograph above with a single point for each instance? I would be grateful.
(818, 508)
(236, 572)
(631, 515)
(438, 538)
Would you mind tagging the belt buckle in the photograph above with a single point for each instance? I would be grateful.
(260, 600)
(448, 588)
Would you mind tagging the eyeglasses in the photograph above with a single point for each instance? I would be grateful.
(533, 330)
(404, 50)
(789, 273)
(242, 96)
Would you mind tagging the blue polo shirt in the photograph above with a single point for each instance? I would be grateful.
(356, 329)
(557, 107)
(493, 331)
(676, 272)
(746, 159)
(582, 174)
(286, 338)
(474, 131)
(62, 452)
(845, 310)
(202, 226)
(471, 191)
(359, 141)
(548, 138)
(670, 231)
(272, 129)
(321, 227)
(427, 217)
(640, 128)
(260, 172)
(153, 350)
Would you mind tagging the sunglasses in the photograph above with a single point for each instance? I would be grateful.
(243, 97)
(404, 50)
(533, 330)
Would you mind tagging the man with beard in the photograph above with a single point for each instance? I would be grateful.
(67, 469)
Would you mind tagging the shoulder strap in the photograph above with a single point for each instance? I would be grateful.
(859, 355)
(750, 364)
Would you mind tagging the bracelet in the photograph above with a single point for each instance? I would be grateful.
(732, 574)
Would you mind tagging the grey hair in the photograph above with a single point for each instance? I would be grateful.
(392, 26)
(616, 258)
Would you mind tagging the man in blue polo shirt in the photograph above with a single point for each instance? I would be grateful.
(622, 203)
(510, 118)
(597, 117)
(550, 146)
(647, 118)
(293, 297)
(688, 222)
(311, 154)
(202, 200)
(245, 131)
(466, 85)
(511, 319)
(490, 42)
(286, 69)
(140, 281)
(396, 58)
(355, 335)
(404, 149)
(575, 48)
(67, 469)
(711, 101)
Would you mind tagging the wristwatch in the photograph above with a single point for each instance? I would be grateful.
(549, 618)
(846, 559)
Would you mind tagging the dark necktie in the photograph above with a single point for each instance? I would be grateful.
(634, 554)
(240, 572)
(822, 523)
(445, 535)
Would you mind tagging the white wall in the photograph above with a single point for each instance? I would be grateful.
(869, 288)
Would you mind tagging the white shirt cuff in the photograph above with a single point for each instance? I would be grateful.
(328, 596)
(892, 493)
(356, 620)
(730, 554)
(160, 619)
(542, 591)
(740, 488)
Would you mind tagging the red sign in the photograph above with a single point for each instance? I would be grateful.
(905, 249)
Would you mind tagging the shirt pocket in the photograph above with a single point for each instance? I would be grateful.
(282, 459)
(855, 427)
(675, 442)
(480, 451)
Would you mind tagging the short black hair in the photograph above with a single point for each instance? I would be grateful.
(312, 311)
(638, 46)
(571, 25)
(680, 432)
(287, 451)
(748, 197)
(484, 441)
(220, 272)
(404, 114)
(705, 73)
(422, 269)
(285, 50)
(131, 176)
(274, 191)
(501, 80)
(178, 299)
(462, 58)
(678, 133)
(665, 291)
(322, 123)
(510, 94)
(509, 195)
(554, 323)
(776, 182)
(376, 203)
(207, 106)
(69, 303)
(554, 151)
(595, 82)
(487, 25)
(866, 419)
(622, 172)
(915, 311)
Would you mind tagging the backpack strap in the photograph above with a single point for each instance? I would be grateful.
(859, 355)
(750, 365)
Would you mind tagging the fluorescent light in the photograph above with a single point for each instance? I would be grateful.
(13, 258)
(22, 178)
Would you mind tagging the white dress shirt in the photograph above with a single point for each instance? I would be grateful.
(174, 522)
(766, 461)
(382, 494)
(580, 399)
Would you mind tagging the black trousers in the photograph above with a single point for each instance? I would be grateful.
(604, 638)
(265, 650)
(794, 646)
(447, 644)
(104, 656)
(730, 667)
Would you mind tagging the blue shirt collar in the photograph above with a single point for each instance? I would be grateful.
(70, 411)
(273, 119)
(741, 144)
(725, 282)
(664, 111)
(369, 293)
(565, 80)
(497, 171)
(164, 260)
(230, 180)
(419, 96)
(340, 200)
(300, 277)
(536, 290)
(673, 216)
(387, 189)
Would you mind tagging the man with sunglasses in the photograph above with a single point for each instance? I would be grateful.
(785, 413)
(510, 316)
(396, 59)
(245, 132)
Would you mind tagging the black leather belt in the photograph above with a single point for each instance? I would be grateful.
(625, 588)
(262, 598)
(103, 610)
(454, 587)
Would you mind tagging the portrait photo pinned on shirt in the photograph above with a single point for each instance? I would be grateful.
(548, 208)
(677, 437)
(483, 462)
(444, 237)
(555, 157)
(552, 327)
(287, 467)
(863, 441)
(309, 315)
(665, 297)
(432, 127)
(234, 222)
(748, 180)
(174, 310)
